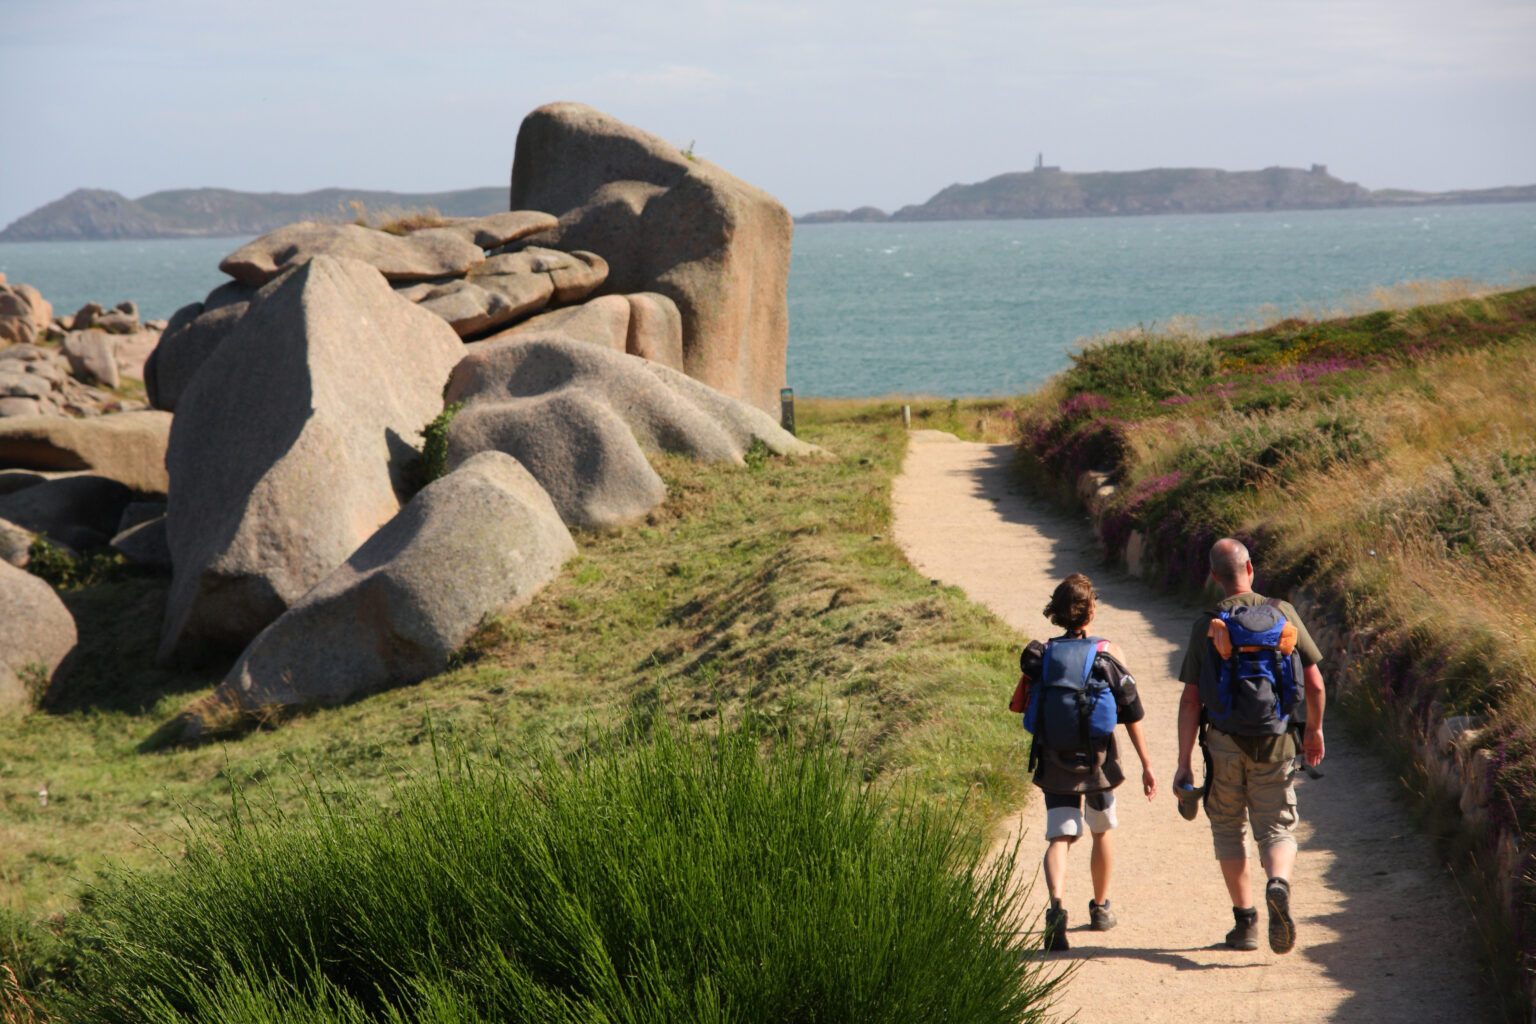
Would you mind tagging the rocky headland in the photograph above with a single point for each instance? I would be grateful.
(366, 441)
(1050, 192)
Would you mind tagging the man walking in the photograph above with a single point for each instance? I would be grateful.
(1245, 672)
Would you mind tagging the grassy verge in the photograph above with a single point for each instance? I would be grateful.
(1387, 464)
(685, 877)
(775, 589)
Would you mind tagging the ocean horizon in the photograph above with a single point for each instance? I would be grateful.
(953, 308)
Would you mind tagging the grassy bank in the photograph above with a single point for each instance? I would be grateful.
(775, 588)
(1386, 463)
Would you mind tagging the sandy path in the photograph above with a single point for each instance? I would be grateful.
(1382, 934)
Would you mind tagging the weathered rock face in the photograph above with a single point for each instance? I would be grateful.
(506, 288)
(484, 538)
(35, 380)
(668, 223)
(128, 447)
(92, 357)
(80, 512)
(18, 325)
(500, 228)
(36, 633)
(145, 544)
(189, 339)
(288, 446)
(581, 419)
(435, 252)
(645, 325)
(15, 544)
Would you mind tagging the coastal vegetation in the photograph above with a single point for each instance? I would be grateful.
(1385, 465)
(775, 589)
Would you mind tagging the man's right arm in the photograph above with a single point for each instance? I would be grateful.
(1189, 728)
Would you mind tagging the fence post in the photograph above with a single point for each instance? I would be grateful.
(787, 409)
(906, 416)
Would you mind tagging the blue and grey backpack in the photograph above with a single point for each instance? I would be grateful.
(1249, 683)
(1070, 711)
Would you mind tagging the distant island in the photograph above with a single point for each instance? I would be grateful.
(92, 214)
(1052, 192)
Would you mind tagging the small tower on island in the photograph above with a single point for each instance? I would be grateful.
(1040, 164)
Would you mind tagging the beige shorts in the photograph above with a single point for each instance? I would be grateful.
(1067, 817)
(1244, 790)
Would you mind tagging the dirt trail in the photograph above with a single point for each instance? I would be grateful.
(1382, 933)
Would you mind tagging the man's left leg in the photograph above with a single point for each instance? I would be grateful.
(1272, 809)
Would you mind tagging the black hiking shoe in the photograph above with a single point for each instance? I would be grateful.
(1245, 932)
(1056, 930)
(1100, 917)
(1282, 930)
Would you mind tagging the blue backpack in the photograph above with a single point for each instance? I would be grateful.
(1248, 683)
(1069, 710)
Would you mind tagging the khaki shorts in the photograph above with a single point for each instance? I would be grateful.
(1244, 790)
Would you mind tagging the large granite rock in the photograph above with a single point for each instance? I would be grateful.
(290, 445)
(36, 634)
(80, 512)
(191, 336)
(668, 222)
(15, 544)
(508, 287)
(92, 357)
(131, 351)
(18, 326)
(42, 309)
(435, 252)
(128, 447)
(485, 538)
(645, 325)
(581, 418)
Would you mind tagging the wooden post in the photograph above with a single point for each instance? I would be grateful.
(906, 416)
(787, 409)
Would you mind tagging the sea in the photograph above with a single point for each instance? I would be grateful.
(982, 307)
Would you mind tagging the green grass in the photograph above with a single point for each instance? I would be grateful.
(681, 877)
(774, 590)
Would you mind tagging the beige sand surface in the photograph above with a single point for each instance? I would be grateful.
(1382, 932)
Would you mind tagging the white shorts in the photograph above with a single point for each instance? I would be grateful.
(1066, 818)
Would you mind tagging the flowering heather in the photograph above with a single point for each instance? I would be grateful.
(1151, 487)
(1305, 373)
(1085, 404)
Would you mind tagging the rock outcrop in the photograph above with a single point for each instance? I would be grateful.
(506, 288)
(289, 446)
(668, 222)
(421, 255)
(128, 447)
(581, 418)
(36, 634)
(484, 538)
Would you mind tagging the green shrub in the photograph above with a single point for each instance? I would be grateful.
(1143, 365)
(65, 570)
(677, 879)
(434, 445)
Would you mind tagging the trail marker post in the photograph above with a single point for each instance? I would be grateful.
(906, 417)
(787, 409)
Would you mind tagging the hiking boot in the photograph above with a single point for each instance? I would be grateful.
(1100, 917)
(1245, 933)
(1282, 930)
(1056, 930)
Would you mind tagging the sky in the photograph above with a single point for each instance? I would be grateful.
(832, 104)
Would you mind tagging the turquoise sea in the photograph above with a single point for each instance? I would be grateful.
(977, 307)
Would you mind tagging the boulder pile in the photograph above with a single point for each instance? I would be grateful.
(632, 303)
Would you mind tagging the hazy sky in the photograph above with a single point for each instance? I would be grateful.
(827, 104)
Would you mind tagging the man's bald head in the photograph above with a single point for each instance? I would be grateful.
(1230, 564)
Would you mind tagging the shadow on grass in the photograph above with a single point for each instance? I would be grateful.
(113, 666)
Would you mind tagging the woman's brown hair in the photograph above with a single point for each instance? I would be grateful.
(1072, 603)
